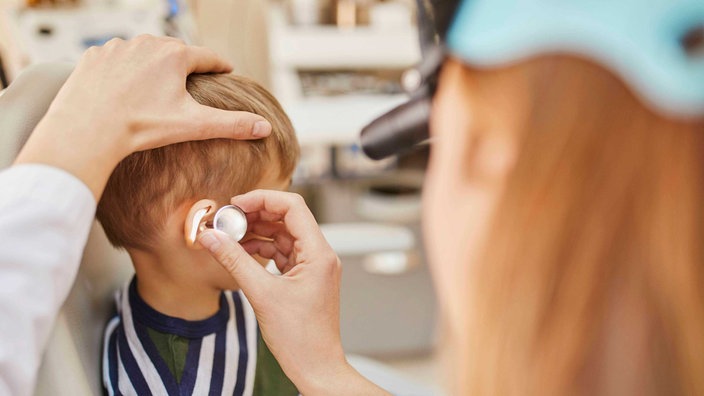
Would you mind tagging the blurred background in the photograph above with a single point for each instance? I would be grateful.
(334, 65)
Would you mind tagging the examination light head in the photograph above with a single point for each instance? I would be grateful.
(657, 49)
(406, 126)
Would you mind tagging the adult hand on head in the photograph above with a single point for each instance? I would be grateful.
(128, 96)
(298, 312)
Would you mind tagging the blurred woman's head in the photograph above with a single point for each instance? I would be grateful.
(565, 224)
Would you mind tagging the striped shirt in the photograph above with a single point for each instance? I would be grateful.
(221, 357)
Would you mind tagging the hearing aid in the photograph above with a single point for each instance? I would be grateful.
(229, 219)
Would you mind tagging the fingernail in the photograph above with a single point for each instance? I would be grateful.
(210, 242)
(261, 129)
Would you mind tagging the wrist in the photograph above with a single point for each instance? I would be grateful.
(340, 380)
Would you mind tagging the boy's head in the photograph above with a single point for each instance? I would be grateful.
(151, 191)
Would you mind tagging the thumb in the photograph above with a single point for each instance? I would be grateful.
(248, 273)
(217, 123)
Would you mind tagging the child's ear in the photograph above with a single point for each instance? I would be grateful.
(195, 221)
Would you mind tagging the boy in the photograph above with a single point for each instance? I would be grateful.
(182, 328)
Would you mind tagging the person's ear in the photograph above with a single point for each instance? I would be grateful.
(195, 221)
(493, 157)
(480, 121)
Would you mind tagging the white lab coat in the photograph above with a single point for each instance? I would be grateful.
(45, 216)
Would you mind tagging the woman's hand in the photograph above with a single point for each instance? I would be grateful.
(128, 96)
(298, 312)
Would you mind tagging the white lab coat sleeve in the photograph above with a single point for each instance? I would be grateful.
(45, 216)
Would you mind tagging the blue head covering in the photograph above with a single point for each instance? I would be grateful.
(640, 41)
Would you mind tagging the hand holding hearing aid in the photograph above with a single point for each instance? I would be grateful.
(307, 292)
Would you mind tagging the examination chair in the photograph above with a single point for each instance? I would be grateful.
(71, 363)
(72, 360)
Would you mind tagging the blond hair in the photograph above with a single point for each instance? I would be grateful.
(147, 186)
(598, 238)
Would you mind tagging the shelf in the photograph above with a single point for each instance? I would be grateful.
(337, 120)
(329, 47)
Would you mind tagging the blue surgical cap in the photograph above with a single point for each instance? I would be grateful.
(641, 41)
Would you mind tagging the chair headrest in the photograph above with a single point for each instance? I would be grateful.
(24, 103)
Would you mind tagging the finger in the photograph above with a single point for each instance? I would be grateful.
(276, 231)
(266, 229)
(288, 267)
(283, 243)
(269, 250)
(210, 123)
(265, 217)
(282, 206)
(205, 60)
(252, 277)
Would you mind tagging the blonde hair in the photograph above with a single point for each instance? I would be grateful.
(147, 186)
(597, 237)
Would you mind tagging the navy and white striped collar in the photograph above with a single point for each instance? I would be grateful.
(148, 316)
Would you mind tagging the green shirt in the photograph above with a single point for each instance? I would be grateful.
(269, 378)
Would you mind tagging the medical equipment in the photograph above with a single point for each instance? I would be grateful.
(229, 219)
(657, 50)
(406, 127)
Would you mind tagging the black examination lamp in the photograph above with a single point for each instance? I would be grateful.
(405, 127)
